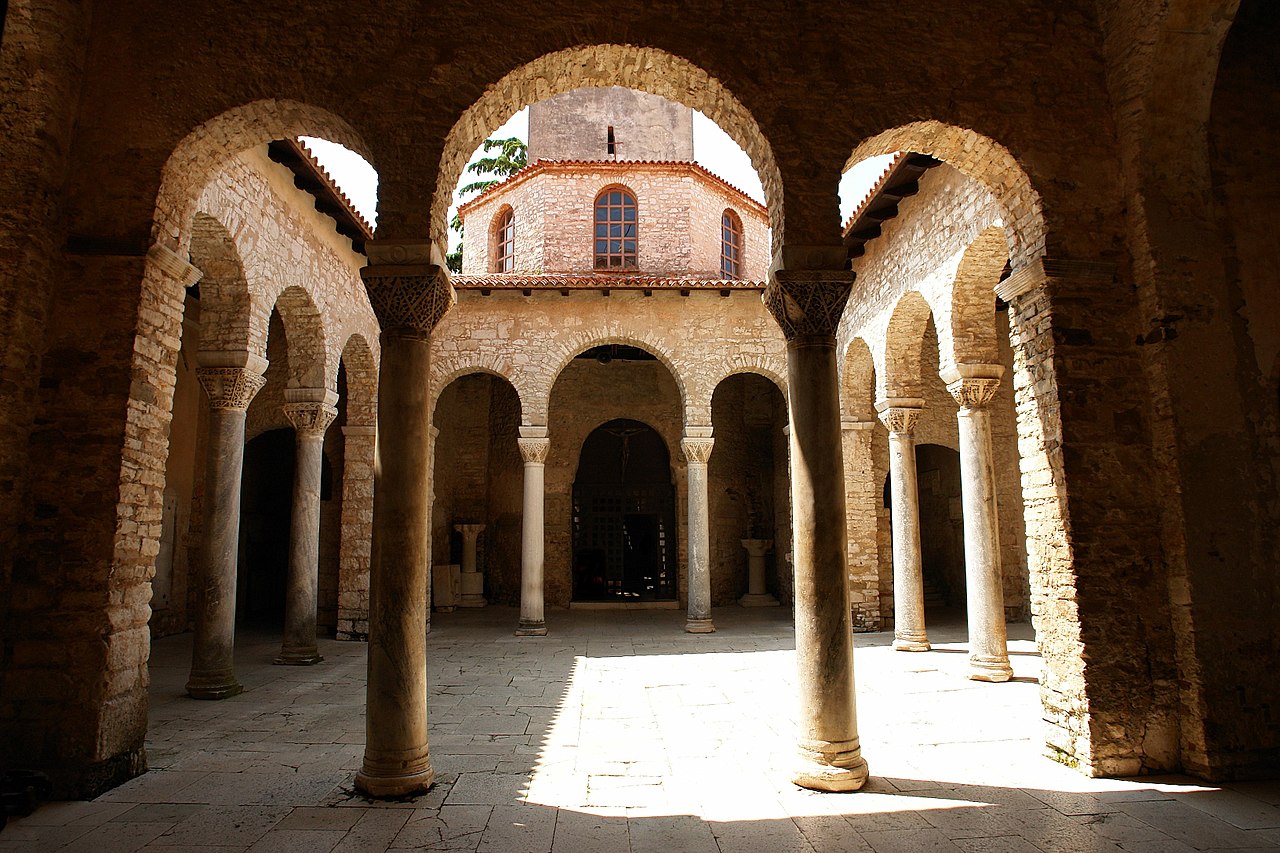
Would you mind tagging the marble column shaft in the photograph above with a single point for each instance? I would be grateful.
(409, 296)
(808, 306)
(533, 449)
(899, 415)
(697, 451)
(230, 391)
(310, 419)
(973, 387)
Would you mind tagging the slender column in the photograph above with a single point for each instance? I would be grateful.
(973, 386)
(409, 296)
(696, 445)
(231, 380)
(534, 446)
(310, 410)
(757, 595)
(899, 415)
(808, 305)
(472, 577)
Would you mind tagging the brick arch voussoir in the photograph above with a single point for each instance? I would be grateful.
(648, 69)
(858, 382)
(983, 159)
(902, 375)
(306, 339)
(970, 330)
(445, 371)
(225, 293)
(361, 363)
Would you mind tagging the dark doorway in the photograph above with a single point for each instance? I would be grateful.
(624, 531)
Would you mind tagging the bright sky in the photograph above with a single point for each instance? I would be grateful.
(712, 149)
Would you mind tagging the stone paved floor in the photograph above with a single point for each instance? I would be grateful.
(621, 733)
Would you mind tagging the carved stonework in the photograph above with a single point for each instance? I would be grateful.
(809, 302)
(534, 449)
(174, 265)
(408, 298)
(900, 419)
(230, 387)
(973, 393)
(697, 450)
(309, 418)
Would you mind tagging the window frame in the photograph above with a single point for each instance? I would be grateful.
(732, 239)
(622, 230)
(503, 240)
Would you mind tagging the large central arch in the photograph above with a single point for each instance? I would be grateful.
(648, 69)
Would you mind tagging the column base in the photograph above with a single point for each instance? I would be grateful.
(989, 668)
(222, 686)
(702, 625)
(911, 643)
(402, 785)
(831, 767)
(298, 658)
(472, 601)
(531, 628)
(762, 599)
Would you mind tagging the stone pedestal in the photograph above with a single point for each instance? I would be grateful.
(756, 595)
(534, 446)
(808, 306)
(696, 446)
(310, 410)
(899, 415)
(231, 380)
(472, 579)
(409, 296)
(973, 386)
(446, 583)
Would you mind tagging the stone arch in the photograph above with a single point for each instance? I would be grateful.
(304, 334)
(225, 302)
(901, 372)
(450, 366)
(196, 159)
(539, 402)
(967, 334)
(648, 69)
(981, 158)
(362, 381)
(699, 403)
(858, 382)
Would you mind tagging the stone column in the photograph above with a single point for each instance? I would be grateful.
(534, 445)
(757, 595)
(808, 305)
(231, 380)
(310, 410)
(899, 415)
(973, 386)
(472, 577)
(862, 494)
(409, 295)
(357, 522)
(696, 446)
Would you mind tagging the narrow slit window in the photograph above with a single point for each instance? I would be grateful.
(611, 143)
(615, 230)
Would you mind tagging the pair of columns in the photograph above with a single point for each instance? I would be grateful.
(409, 293)
(534, 446)
(973, 386)
(231, 380)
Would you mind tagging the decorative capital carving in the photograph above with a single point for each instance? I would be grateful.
(230, 387)
(900, 414)
(534, 450)
(808, 302)
(973, 392)
(309, 418)
(409, 299)
(470, 532)
(697, 450)
(174, 265)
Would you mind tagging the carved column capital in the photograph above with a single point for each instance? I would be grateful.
(534, 450)
(973, 385)
(899, 414)
(408, 292)
(808, 303)
(230, 387)
(697, 450)
(310, 418)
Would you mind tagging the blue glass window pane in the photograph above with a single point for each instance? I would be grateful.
(602, 246)
(629, 214)
(602, 230)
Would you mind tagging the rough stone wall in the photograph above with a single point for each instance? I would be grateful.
(678, 210)
(574, 126)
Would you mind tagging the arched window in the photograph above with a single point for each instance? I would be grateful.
(730, 245)
(615, 230)
(504, 241)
